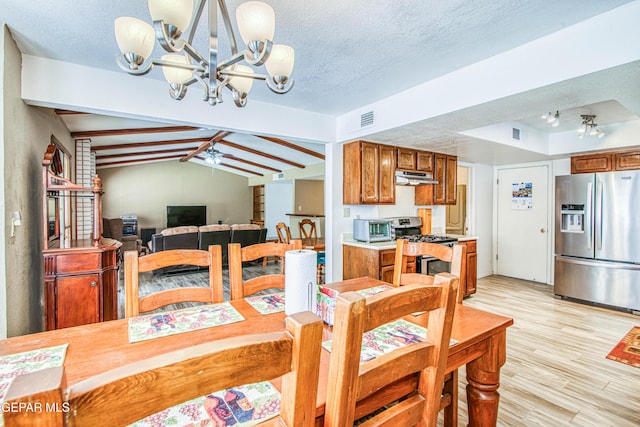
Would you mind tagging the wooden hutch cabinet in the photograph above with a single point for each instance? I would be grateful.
(369, 173)
(80, 276)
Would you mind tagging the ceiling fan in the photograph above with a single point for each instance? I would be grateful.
(213, 156)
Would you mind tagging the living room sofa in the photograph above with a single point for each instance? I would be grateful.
(192, 237)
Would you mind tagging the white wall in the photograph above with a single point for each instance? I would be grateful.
(3, 271)
(278, 202)
(146, 190)
(480, 191)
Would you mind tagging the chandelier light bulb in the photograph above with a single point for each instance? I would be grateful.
(174, 74)
(134, 36)
(242, 84)
(594, 130)
(600, 134)
(281, 60)
(176, 13)
(256, 21)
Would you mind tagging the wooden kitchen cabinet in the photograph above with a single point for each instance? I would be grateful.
(606, 162)
(601, 162)
(414, 160)
(379, 264)
(626, 160)
(369, 173)
(445, 191)
(472, 267)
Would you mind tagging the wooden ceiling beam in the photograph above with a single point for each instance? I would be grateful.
(292, 146)
(136, 131)
(259, 153)
(233, 167)
(68, 112)
(148, 144)
(128, 162)
(205, 145)
(238, 159)
(143, 153)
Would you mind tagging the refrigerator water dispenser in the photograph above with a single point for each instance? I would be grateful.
(572, 219)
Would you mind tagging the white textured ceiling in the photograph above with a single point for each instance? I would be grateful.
(352, 53)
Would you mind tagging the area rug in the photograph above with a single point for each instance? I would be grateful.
(627, 351)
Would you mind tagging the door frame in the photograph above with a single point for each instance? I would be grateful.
(549, 219)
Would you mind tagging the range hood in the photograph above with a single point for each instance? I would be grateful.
(414, 178)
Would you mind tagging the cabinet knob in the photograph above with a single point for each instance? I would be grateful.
(542, 230)
(94, 284)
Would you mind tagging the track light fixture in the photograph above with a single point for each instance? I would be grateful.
(552, 119)
(589, 127)
(184, 66)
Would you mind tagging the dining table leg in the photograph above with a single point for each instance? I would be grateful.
(483, 380)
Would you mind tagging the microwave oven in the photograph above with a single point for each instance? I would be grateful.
(372, 230)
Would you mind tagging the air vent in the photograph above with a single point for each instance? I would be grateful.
(366, 119)
(515, 133)
(278, 176)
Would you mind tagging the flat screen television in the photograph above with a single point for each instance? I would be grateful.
(186, 215)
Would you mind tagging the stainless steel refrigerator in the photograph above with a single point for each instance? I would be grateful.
(597, 238)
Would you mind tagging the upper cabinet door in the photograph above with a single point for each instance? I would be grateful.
(387, 189)
(406, 159)
(440, 174)
(452, 180)
(424, 161)
(370, 172)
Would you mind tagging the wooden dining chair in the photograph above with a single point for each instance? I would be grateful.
(307, 229)
(421, 361)
(132, 392)
(284, 234)
(456, 255)
(237, 255)
(133, 265)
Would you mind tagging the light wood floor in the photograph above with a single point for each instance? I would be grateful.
(556, 372)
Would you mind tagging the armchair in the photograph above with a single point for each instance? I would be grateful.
(112, 228)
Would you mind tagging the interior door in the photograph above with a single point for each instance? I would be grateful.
(456, 214)
(523, 245)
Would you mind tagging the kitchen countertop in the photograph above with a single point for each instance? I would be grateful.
(347, 239)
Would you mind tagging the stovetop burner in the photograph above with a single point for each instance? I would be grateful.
(430, 238)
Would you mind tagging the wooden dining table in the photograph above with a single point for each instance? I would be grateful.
(313, 243)
(100, 347)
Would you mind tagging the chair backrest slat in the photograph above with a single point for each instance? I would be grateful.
(237, 255)
(134, 264)
(307, 229)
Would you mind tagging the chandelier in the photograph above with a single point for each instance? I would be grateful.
(184, 66)
(589, 127)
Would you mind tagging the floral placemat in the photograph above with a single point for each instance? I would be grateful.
(267, 304)
(242, 406)
(387, 338)
(30, 361)
(373, 291)
(184, 320)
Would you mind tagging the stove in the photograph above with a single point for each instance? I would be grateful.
(431, 238)
(410, 228)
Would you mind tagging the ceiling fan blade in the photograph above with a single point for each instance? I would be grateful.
(202, 147)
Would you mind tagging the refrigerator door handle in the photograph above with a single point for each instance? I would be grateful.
(588, 221)
(599, 216)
